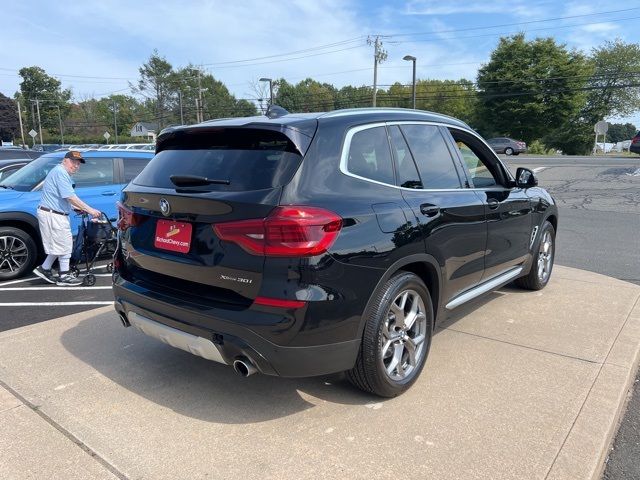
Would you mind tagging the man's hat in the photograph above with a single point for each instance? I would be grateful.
(74, 155)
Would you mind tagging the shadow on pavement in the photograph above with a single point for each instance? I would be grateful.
(193, 386)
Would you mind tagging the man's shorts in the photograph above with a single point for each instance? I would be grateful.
(55, 231)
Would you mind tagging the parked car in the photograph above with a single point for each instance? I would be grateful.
(10, 165)
(508, 146)
(635, 144)
(48, 147)
(308, 244)
(16, 153)
(98, 183)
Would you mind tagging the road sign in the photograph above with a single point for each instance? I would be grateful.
(106, 135)
(33, 133)
(601, 127)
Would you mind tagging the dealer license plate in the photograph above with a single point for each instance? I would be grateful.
(173, 236)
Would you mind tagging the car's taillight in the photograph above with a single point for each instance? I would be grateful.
(635, 140)
(126, 218)
(289, 231)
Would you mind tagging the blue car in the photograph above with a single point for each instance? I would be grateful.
(98, 183)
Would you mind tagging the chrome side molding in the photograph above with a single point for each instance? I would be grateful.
(478, 290)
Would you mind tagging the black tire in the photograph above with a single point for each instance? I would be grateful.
(89, 280)
(374, 371)
(508, 151)
(75, 272)
(18, 253)
(543, 259)
(109, 267)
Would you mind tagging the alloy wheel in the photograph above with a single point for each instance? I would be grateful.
(403, 335)
(545, 257)
(13, 254)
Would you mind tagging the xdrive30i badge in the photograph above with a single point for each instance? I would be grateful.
(165, 208)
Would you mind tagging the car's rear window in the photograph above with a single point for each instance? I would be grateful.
(248, 159)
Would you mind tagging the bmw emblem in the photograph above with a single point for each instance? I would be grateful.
(165, 208)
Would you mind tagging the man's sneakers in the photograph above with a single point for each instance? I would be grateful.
(68, 280)
(46, 275)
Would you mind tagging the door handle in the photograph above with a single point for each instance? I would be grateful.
(108, 194)
(493, 204)
(429, 210)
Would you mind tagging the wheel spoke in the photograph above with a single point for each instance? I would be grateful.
(8, 264)
(411, 349)
(398, 313)
(397, 358)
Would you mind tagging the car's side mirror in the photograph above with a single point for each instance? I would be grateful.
(525, 178)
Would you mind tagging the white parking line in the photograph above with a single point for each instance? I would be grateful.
(18, 281)
(50, 287)
(51, 304)
(539, 169)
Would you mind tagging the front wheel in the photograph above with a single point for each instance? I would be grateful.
(396, 338)
(508, 151)
(18, 253)
(542, 265)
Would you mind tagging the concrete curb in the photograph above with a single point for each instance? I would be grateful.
(585, 449)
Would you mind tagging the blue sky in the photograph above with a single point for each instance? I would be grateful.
(96, 47)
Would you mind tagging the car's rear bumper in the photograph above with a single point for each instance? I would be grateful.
(196, 330)
(634, 148)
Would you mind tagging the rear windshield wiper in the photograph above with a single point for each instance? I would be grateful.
(7, 187)
(196, 181)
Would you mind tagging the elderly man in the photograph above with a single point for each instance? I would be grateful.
(58, 200)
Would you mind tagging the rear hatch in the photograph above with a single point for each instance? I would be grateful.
(199, 179)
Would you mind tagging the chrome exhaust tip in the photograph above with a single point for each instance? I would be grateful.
(244, 367)
(124, 319)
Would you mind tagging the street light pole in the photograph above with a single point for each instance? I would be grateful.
(413, 89)
(264, 79)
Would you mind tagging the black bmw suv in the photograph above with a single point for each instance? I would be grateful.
(308, 244)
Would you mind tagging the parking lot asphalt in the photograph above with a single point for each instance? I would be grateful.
(31, 300)
(518, 385)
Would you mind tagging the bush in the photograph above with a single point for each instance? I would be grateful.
(538, 148)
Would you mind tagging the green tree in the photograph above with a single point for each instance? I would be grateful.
(156, 84)
(614, 85)
(306, 96)
(619, 132)
(530, 88)
(353, 97)
(38, 89)
(9, 122)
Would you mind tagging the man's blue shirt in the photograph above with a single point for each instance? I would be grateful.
(57, 189)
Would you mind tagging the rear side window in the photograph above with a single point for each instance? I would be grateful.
(369, 155)
(246, 159)
(407, 172)
(432, 156)
(94, 172)
(133, 166)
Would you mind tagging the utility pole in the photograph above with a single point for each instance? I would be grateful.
(200, 111)
(115, 119)
(379, 56)
(61, 130)
(181, 115)
(21, 128)
(39, 121)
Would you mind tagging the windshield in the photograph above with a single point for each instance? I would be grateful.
(29, 176)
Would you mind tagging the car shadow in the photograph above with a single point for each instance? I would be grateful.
(193, 386)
